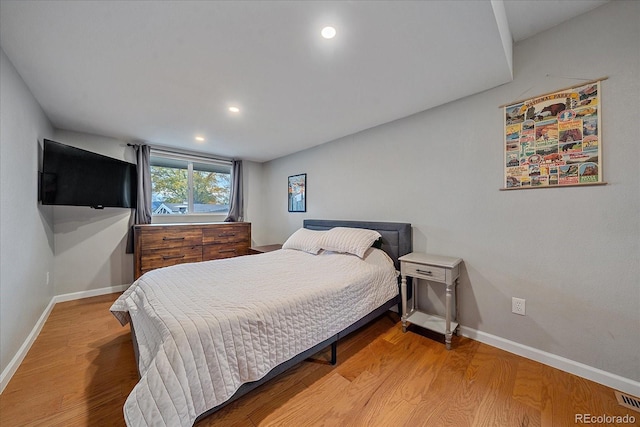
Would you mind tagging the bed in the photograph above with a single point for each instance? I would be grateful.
(207, 333)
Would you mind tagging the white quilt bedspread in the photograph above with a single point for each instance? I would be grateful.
(204, 329)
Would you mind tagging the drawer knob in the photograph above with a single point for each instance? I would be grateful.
(425, 272)
(226, 234)
(173, 238)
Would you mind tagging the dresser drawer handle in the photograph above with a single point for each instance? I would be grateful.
(222, 251)
(425, 272)
(173, 238)
(172, 256)
(226, 234)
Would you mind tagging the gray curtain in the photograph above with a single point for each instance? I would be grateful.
(236, 198)
(143, 205)
(142, 213)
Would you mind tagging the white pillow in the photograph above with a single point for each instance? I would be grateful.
(305, 240)
(378, 257)
(349, 240)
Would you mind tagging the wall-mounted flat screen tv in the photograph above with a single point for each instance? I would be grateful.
(75, 177)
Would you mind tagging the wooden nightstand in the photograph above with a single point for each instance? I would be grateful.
(433, 269)
(265, 248)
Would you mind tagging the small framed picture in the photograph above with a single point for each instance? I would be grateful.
(298, 193)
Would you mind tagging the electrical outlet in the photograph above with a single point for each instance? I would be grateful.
(518, 306)
(47, 277)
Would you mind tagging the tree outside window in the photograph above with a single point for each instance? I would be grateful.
(184, 186)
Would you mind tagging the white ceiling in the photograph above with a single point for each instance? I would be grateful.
(166, 71)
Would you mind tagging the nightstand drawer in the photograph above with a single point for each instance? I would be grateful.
(421, 271)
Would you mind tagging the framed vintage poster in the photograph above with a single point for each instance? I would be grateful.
(297, 198)
(554, 140)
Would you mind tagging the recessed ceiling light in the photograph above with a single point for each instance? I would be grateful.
(234, 109)
(200, 138)
(328, 32)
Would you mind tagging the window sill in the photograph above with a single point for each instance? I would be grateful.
(172, 219)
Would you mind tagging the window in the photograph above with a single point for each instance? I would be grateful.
(185, 184)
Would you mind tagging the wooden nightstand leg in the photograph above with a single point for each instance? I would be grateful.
(403, 292)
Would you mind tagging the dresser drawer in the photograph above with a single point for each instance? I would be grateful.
(227, 250)
(170, 238)
(156, 258)
(422, 271)
(226, 234)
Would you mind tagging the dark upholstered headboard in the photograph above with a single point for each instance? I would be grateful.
(396, 236)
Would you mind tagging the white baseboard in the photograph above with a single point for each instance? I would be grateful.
(90, 293)
(12, 367)
(599, 376)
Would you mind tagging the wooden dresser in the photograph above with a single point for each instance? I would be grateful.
(162, 245)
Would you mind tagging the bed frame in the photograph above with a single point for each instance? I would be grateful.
(396, 242)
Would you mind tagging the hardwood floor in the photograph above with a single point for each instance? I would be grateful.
(81, 369)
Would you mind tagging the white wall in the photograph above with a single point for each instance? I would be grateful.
(572, 253)
(254, 200)
(26, 231)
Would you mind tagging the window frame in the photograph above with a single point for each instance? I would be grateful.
(190, 159)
